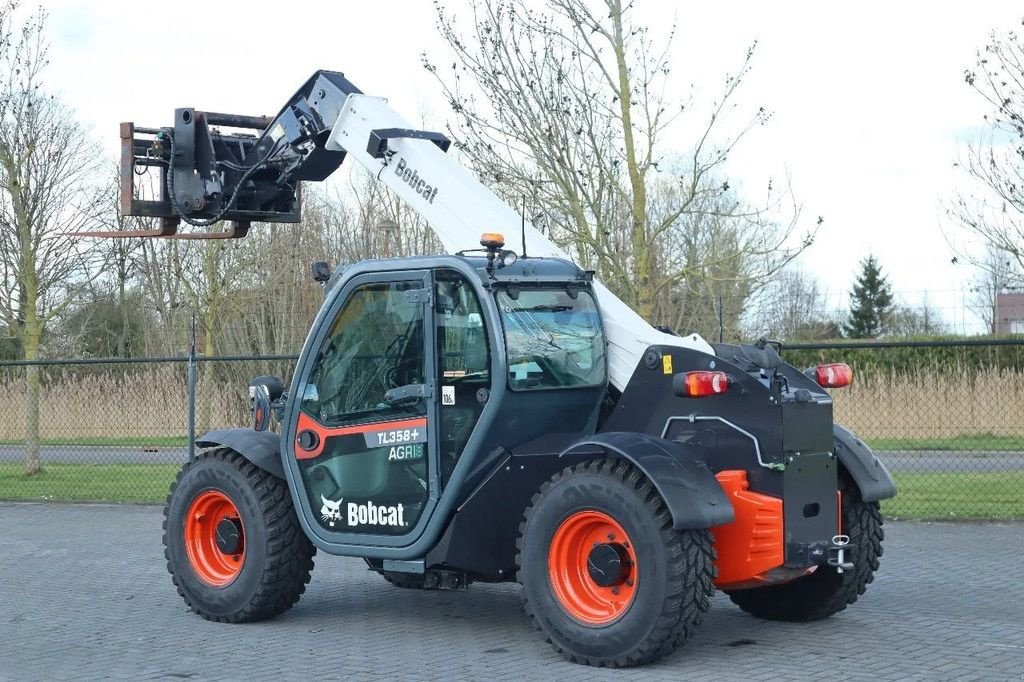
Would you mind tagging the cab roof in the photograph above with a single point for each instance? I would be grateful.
(524, 271)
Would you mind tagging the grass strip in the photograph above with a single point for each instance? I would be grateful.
(88, 482)
(966, 495)
(960, 442)
(111, 441)
(935, 496)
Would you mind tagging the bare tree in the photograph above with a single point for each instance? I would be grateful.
(792, 309)
(922, 320)
(275, 299)
(111, 318)
(567, 107)
(992, 206)
(46, 160)
(997, 273)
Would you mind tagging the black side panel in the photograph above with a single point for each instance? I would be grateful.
(262, 448)
(481, 536)
(649, 405)
(689, 488)
(871, 476)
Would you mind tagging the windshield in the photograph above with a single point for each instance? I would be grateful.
(553, 339)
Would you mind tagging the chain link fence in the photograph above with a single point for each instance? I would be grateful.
(117, 430)
(947, 418)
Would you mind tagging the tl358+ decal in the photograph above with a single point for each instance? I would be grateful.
(405, 444)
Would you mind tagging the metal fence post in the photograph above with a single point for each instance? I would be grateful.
(192, 393)
(721, 319)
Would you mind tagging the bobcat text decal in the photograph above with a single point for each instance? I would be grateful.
(371, 514)
(412, 177)
(368, 514)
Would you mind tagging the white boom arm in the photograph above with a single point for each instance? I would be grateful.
(459, 209)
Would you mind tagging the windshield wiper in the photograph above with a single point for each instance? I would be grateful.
(544, 308)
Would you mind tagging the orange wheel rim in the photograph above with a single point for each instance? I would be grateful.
(592, 568)
(217, 561)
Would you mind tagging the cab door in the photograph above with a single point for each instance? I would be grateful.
(363, 437)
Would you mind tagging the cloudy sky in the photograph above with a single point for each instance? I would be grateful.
(868, 100)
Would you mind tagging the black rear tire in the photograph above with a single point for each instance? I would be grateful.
(825, 592)
(675, 569)
(278, 556)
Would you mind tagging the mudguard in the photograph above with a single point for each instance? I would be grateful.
(867, 471)
(690, 490)
(262, 448)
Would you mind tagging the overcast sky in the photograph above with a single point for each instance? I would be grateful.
(868, 99)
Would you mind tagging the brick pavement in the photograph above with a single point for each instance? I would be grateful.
(84, 595)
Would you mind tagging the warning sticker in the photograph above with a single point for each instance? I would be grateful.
(666, 364)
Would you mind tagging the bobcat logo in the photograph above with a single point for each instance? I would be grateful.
(330, 511)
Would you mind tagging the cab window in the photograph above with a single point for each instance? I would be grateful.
(464, 363)
(553, 338)
(375, 344)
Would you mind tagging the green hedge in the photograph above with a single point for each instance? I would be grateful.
(914, 359)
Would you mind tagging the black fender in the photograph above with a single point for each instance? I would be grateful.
(867, 471)
(691, 492)
(262, 448)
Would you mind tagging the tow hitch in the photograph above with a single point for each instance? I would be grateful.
(837, 553)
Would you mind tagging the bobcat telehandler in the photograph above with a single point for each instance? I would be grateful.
(496, 415)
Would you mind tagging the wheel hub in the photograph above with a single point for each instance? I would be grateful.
(214, 538)
(608, 564)
(229, 535)
(592, 568)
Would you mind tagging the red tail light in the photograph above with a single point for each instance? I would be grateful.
(700, 384)
(836, 375)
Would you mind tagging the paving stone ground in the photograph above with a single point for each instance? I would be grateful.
(84, 595)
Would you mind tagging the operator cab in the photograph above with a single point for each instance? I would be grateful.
(418, 372)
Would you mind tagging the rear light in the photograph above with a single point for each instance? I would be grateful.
(835, 375)
(701, 384)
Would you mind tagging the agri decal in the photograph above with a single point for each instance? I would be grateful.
(401, 453)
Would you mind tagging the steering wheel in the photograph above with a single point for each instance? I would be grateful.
(402, 375)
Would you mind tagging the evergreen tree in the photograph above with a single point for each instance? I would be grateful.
(870, 302)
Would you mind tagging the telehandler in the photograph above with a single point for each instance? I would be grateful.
(496, 415)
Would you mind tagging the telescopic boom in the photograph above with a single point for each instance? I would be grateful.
(209, 175)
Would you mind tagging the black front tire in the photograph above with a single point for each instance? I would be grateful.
(675, 569)
(825, 592)
(278, 556)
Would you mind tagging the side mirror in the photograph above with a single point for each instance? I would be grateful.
(274, 386)
(321, 271)
(264, 391)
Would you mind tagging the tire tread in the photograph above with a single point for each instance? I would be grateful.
(809, 598)
(289, 562)
(691, 558)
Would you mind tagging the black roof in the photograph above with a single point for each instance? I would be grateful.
(529, 269)
(526, 271)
